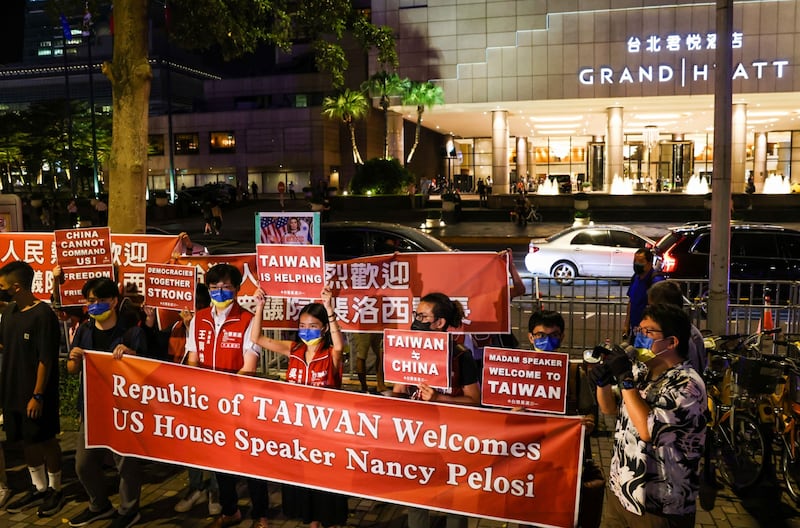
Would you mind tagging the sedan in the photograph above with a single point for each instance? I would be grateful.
(586, 251)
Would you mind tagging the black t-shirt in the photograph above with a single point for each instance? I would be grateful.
(28, 338)
(101, 339)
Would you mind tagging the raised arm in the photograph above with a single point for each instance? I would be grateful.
(273, 345)
(333, 325)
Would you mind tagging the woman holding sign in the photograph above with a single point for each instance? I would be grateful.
(315, 358)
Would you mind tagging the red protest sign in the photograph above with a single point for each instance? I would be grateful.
(83, 247)
(411, 357)
(525, 378)
(74, 278)
(169, 286)
(286, 270)
(507, 466)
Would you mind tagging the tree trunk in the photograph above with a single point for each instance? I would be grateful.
(416, 134)
(356, 154)
(130, 74)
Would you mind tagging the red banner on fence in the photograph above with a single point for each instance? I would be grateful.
(515, 467)
(291, 270)
(531, 379)
(374, 293)
(169, 286)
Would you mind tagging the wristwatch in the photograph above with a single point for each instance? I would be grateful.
(38, 396)
(627, 384)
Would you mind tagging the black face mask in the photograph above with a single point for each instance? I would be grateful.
(638, 269)
(419, 325)
(6, 296)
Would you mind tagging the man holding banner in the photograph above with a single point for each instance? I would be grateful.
(436, 312)
(219, 339)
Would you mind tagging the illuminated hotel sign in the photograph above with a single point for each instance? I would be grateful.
(686, 72)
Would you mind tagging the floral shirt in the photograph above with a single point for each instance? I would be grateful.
(663, 475)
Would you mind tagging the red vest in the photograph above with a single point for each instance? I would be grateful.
(223, 351)
(318, 373)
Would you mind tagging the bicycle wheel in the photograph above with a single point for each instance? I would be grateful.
(739, 452)
(791, 470)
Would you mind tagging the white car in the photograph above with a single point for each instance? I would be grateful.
(586, 251)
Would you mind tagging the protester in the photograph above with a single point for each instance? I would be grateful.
(292, 193)
(436, 312)
(254, 190)
(315, 359)
(105, 332)
(5, 491)
(668, 292)
(101, 207)
(216, 218)
(360, 345)
(72, 210)
(661, 427)
(219, 339)
(644, 276)
(29, 340)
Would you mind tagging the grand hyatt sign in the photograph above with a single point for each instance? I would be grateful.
(686, 71)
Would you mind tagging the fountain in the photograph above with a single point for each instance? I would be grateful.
(697, 185)
(777, 184)
(548, 187)
(621, 185)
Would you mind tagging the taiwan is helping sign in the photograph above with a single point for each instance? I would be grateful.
(509, 466)
(286, 270)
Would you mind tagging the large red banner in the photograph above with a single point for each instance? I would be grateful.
(515, 467)
(129, 254)
(374, 293)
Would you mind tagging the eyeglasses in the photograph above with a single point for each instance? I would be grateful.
(227, 287)
(423, 317)
(540, 335)
(647, 332)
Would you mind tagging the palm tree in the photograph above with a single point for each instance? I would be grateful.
(348, 106)
(385, 85)
(421, 94)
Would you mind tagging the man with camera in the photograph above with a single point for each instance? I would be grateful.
(660, 431)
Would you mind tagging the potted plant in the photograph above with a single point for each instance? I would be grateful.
(581, 209)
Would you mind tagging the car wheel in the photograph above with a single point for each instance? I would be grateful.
(564, 272)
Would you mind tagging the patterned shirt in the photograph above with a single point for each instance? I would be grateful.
(663, 475)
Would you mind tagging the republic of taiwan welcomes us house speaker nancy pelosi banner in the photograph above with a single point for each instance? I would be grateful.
(510, 466)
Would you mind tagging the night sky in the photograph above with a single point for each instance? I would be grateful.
(11, 30)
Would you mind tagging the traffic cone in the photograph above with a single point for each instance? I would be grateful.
(768, 323)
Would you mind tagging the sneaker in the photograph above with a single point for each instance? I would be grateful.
(53, 502)
(29, 500)
(214, 507)
(192, 498)
(5, 495)
(88, 516)
(126, 520)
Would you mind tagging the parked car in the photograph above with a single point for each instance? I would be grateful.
(758, 252)
(586, 251)
(346, 240)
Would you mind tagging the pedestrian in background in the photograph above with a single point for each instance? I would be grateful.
(644, 276)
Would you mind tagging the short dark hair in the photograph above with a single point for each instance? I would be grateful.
(673, 322)
(445, 308)
(102, 287)
(222, 272)
(546, 318)
(19, 272)
(665, 292)
(647, 253)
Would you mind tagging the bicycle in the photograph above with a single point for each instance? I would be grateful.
(531, 215)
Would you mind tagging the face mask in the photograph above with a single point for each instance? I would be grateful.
(6, 296)
(644, 348)
(419, 325)
(221, 299)
(546, 343)
(99, 311)
(638, 269)
(310, 336)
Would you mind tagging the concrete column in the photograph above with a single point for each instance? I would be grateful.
(396, 144)
(531, 157)
(500, 152)
(522, 158)
(614, 146)
(738, 146)
(760, 160)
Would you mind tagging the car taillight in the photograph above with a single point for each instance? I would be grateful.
(532, 248)
(668, 263)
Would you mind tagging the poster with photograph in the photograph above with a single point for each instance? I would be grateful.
(293, 228)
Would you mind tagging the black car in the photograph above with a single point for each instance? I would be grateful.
(759, 253)
(346, 240)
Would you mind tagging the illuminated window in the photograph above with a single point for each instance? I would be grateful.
(222, 142)
(187, 143)
(155, 145)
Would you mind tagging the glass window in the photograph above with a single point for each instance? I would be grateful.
(187, 143)
(789, 245)
(702, 244)
(222, 142)
(760, 245)
(624, 239)
(594, 238)
(155, 145)
(340, 245)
